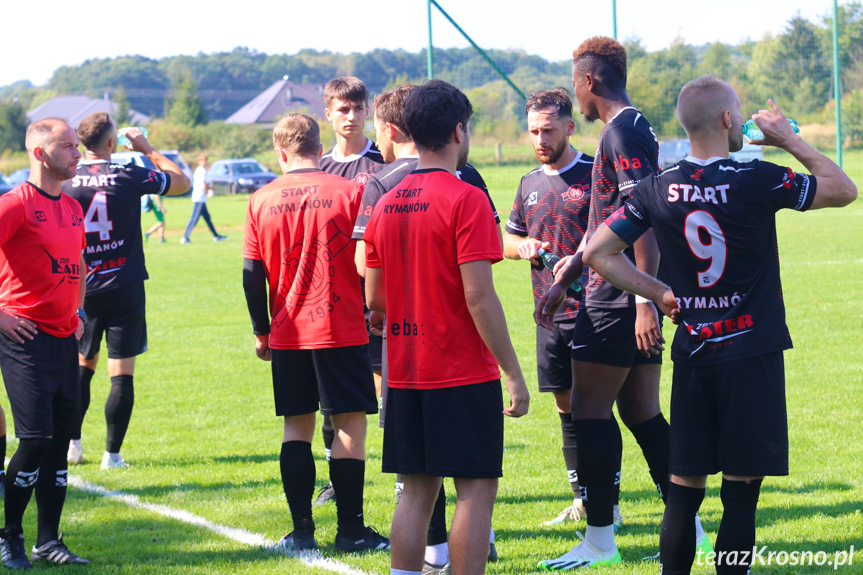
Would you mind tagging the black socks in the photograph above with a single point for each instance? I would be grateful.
(653, 436)
(677, 539)
(570, 451)
(736, 535)
(298, 480)
(599, 449)
(348, 477)
(118, 411)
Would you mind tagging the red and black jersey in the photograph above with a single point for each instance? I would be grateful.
(389, 177)
(552, 206)
(357, 167)
(110, 195)
(628, 151)
(716, 228)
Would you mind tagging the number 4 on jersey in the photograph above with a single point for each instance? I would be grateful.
(96, 219)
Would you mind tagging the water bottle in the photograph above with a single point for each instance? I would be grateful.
(123, 140)
(753, 132)
(550, 260)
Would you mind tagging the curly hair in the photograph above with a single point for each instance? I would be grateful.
(603, 57)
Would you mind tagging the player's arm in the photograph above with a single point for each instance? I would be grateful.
(648, 331)
(82, 290)
(516, 247)
(376, 297)
(255, 288)
(835, 189)
(490, 322)
(179, 182)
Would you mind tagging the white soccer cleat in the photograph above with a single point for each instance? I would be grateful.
(583, 555)
(112, 461)
(75, 455)
(573, 513)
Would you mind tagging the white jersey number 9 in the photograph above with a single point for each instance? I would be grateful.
(713, 251)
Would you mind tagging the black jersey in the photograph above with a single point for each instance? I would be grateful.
(388, 178)
(110, 195)
(357, 167)
(628, 151)
(552, 206)
(716, 228)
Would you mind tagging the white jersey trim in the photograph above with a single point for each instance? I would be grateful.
(352, 157)
(549, 172)
(700, 162)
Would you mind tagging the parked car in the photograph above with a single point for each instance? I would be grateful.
(672, 151)
(140, 159)
(5, 186)
(18, 176)
(238, 176)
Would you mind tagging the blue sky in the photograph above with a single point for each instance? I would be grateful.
(69, 34)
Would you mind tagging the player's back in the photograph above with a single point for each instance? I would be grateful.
(300, 225)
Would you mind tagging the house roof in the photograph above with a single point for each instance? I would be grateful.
(283, 96)
(76, 108)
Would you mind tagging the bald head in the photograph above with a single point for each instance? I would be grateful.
(703, 103)
(43, 132)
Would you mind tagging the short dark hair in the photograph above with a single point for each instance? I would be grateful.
(93, 130)
(41, 132)
(603, 57)
(298, 135)
(432, 111)
(347, 88)
(558, 98)
(389, 107)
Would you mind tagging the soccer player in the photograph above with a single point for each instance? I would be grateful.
(400, 153)
(550, 211)
(110, 195)
(41, 287)
(429, 247)
(714, 221)
(298, 245)
(617, 341)
(355, 157)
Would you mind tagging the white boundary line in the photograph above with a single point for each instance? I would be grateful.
(311, 558)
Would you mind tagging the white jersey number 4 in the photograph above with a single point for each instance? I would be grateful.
(96, 219)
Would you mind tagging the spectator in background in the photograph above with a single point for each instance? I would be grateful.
(199, 202)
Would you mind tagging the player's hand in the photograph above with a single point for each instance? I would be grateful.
(528, 247)
(17, 328)
(564, 261)
(547, 306)
(669, 306)
(376, 322)
(519, 396)
(775, 127)
(137, 141)
(262, 347)
(648, 331)
(79, 329)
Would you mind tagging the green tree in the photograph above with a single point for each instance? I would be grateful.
(184, 107)
(13, 126)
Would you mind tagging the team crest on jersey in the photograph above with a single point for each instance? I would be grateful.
(76, 221)
(696, 175)
(40, 216)
(533, 198)
(787, 179)
(574, 193)
(362, 178)
(93, 169)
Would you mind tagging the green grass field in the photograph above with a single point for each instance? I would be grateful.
(204, 438)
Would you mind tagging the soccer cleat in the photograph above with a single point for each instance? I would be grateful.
(75, 455)
(572, 513)
(13, 552)
(112, 461)
(617, 519)
(295, 541)
(492, 553)
(370, 540)
(57, 553)
(185, 240)
(163, 241)
(583, 555)
(430, 569)
(220, 238)
(703, 546)
(325, 495)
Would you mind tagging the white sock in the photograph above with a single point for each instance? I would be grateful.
(491, 536)
(437, 554)
(76, 443)
(400, 572)
(600, 537)
(113, 456)
(699, 530)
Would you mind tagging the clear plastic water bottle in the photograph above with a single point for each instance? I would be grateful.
(122, 140)
(550, 260)
(753, 132)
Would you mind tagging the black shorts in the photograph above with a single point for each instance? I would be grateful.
(376, 344)
(337, 378)
(607, 336)
(120, 314)
(450, 432)
(553, 357)
(730, 417)
(41, 379)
